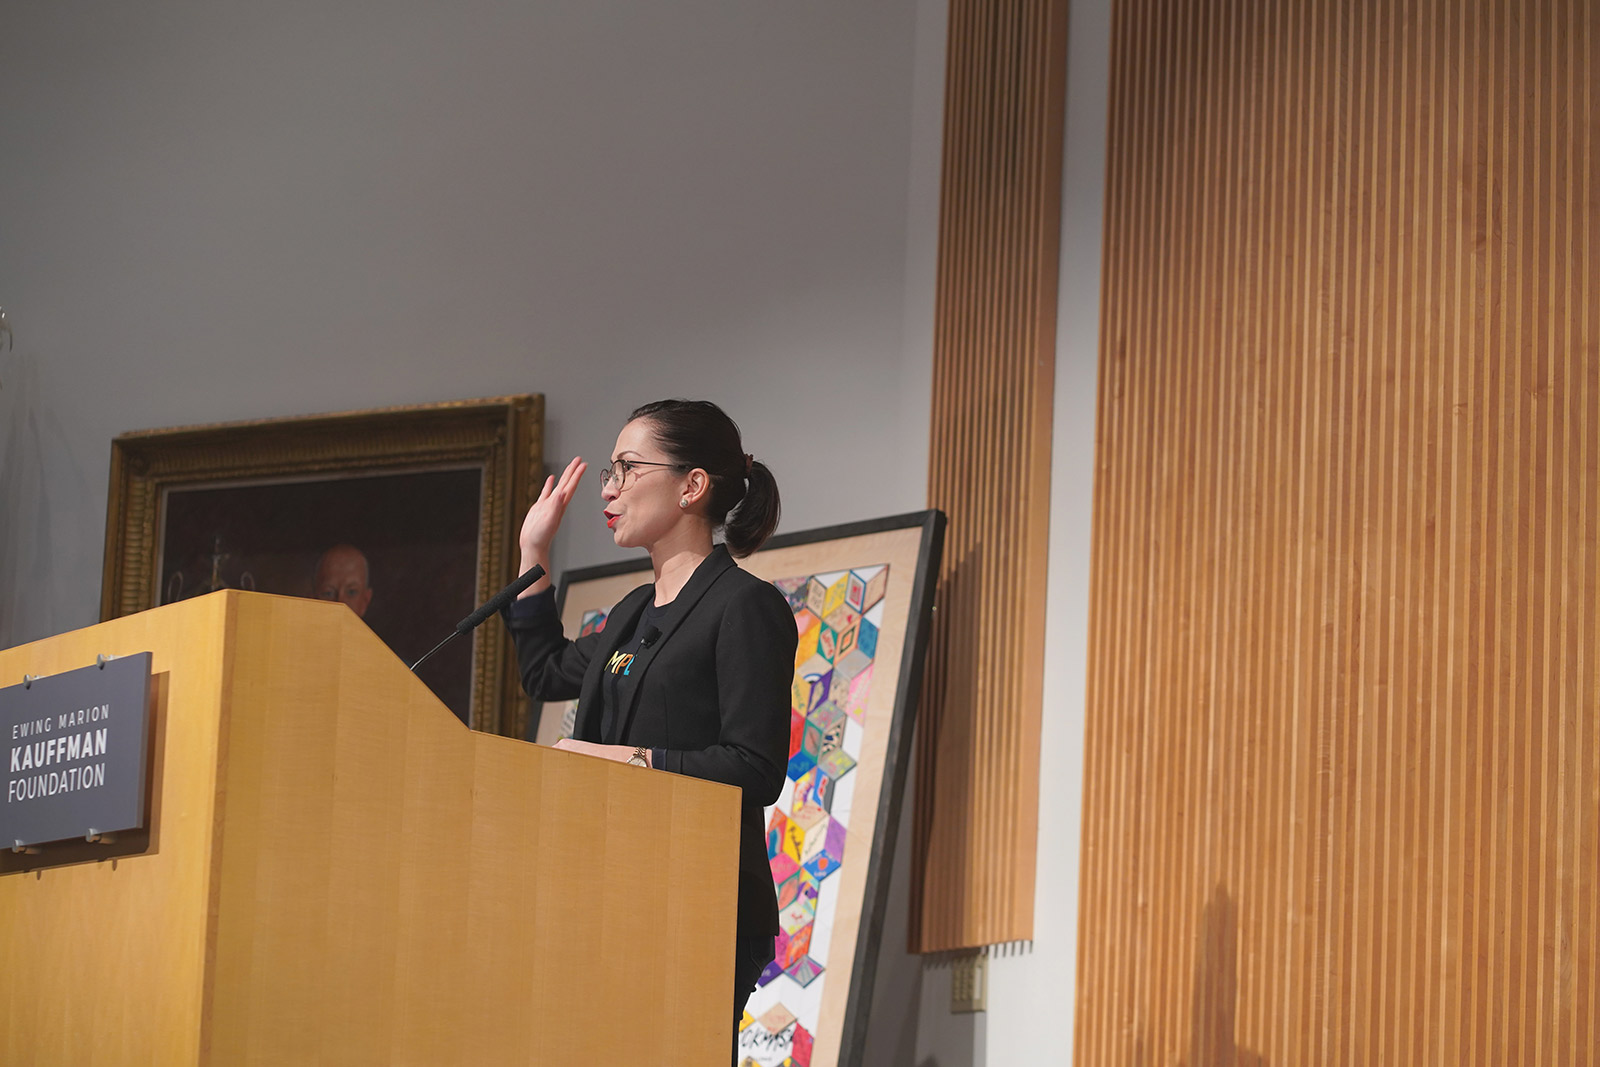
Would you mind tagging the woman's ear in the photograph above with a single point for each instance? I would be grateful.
(696, 484)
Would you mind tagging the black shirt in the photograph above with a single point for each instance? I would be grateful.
(617, 683)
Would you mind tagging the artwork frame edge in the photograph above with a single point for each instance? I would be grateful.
(505, 434)
(901, 732)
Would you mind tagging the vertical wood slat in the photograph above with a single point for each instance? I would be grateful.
(976, 814)
(1343, 775)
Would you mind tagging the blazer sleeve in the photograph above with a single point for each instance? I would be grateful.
(756, 642)
(551, 666)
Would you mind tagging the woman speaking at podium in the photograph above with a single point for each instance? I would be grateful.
(692, 672)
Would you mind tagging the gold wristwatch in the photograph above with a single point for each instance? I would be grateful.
(640, 757)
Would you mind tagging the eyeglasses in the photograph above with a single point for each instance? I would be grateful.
(624, 467)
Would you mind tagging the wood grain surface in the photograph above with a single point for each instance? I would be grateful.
(977, 784)
(347, 874)
(1343, 779)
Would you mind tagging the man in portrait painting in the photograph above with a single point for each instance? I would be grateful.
(342, 575)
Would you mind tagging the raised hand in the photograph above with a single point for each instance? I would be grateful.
(539, 526)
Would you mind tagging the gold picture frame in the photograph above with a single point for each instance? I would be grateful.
(163, 481)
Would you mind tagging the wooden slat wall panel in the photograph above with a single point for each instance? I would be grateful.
(976, 815)
(1343, 778)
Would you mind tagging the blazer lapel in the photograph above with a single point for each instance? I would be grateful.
(704, 577)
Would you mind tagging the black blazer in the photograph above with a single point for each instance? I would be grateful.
(712, 694)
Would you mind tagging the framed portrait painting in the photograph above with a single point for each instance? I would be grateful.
(861, 595)
(407, 515)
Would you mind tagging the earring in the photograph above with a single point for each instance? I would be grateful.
(683, 502)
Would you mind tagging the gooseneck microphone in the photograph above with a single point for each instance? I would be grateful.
(489, 607)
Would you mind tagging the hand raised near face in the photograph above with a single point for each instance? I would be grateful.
(544, 518)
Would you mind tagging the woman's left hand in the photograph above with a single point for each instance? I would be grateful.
(618, 753)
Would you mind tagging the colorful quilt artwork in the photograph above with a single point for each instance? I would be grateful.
(838, 616)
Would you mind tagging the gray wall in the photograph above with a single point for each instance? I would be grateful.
(213, 212)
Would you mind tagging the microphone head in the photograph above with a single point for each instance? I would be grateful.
(500, 599)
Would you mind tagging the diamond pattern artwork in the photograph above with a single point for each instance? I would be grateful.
(800, 906)
(837, 617)
(815, 788)
(823, 849)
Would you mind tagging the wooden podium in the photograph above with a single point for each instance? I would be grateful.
(339, 872)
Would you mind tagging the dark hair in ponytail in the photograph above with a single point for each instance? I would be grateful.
(697, 433)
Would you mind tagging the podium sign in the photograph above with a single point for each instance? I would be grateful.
(74, 747)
